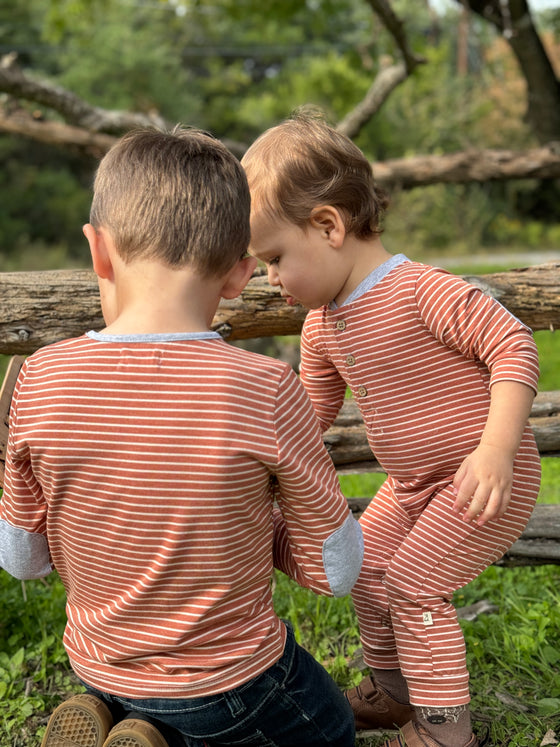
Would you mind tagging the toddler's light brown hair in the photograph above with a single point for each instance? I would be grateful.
(304, 162)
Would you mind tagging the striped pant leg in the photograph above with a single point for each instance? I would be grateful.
(410, 572)
(441, 554)
(385, 526)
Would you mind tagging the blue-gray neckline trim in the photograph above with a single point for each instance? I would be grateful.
(155, 337)
(372, 279)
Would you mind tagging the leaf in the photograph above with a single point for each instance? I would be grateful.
(548, 706)
(17, 660)
(550, 655)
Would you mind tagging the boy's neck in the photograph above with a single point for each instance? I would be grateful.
(149, 298)
(365, 257)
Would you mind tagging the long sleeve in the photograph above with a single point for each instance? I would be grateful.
(342, 555)
(322, 381)
(318, 543)
(465, 319)
(24, 550)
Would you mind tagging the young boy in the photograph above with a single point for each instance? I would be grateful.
(142, 465)
(444, 377)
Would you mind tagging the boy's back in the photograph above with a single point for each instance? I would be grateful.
(154, 457)
(144, 462)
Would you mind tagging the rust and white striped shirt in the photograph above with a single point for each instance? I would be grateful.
(419, 350)
(146, 462)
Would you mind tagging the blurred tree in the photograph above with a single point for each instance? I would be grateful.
(514, 21)
(76, 73)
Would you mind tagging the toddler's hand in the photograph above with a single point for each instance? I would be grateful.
(483, 483)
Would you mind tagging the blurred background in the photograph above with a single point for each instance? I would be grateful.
(76, 73)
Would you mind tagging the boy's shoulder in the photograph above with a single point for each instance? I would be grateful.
(55, 348)
(258, 362)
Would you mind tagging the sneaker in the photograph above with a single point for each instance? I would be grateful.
(414, 735)
(132, 732)
(374, 708)
(81, 721)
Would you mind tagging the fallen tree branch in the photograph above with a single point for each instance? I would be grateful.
(71, 107)
(469, 166)
(42, 307)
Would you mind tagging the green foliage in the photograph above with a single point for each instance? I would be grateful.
(34, 669)
(44, 204)
(327, 627)
(548, 343)
(236, 68)
(135, 61)
(514, 656)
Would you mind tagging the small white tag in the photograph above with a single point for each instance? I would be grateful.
(427, 618)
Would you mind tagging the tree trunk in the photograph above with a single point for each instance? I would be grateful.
(513, 19)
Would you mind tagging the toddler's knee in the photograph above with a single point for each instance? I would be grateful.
(400, 588)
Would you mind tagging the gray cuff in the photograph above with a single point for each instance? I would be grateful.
(23, 554)
(343, 553)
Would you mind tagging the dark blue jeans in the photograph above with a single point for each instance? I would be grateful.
(293, 703)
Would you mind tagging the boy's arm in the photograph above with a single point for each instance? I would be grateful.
(24, 551)
(6, 393)
(318, 542)
(322, 381)
(342, 555)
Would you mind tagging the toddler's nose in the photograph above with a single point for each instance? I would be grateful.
(273, 277)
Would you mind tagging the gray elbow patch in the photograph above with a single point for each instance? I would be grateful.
(23, 554)
(343, 553)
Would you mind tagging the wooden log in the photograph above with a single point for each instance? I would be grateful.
(39, 308)
(539, 543)
(43, 307)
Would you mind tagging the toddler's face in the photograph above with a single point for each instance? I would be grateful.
(299, 261)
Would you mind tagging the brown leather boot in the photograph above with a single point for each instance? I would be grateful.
(414, 735)
(374, 708)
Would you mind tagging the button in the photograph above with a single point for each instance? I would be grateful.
(362, 391)
(341, 325)
(350, 360)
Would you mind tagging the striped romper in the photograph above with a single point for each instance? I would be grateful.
(419, 349)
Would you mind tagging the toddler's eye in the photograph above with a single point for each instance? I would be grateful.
(274, 261)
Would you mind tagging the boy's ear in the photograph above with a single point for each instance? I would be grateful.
(238, 277)
(328, 220)
(102, 265)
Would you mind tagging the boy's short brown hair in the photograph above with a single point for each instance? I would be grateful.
(179, 196)
(304, 162)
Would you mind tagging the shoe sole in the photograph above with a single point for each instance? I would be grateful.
(82, 721)
(134, 733)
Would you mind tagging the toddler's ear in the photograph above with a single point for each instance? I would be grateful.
(102, 265)
(328, 220)
(238, 277)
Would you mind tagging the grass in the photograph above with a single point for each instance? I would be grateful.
(513, 654)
